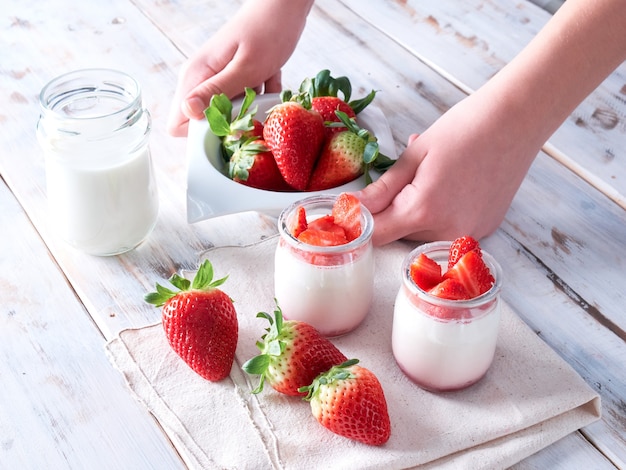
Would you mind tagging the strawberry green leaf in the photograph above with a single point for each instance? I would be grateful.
(180, 282)
(360, 104)
(383, 162)
(219, 114)
(203, 280)
(370, 152)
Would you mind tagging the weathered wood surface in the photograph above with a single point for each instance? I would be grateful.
(563, 240)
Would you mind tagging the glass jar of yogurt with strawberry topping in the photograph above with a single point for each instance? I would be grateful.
(441, 340)
(324, 263)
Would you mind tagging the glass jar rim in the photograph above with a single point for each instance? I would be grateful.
(58, 91)
(444, 247)
(322, 201)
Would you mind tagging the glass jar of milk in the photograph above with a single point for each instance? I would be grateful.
(100, 183)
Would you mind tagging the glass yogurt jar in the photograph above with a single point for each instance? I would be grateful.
(441, 344)
(101, 189)
(329, 287)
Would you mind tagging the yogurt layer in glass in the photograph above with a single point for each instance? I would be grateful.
(440, 344)
(329, 287)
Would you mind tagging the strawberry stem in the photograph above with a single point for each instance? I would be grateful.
(203, 280)
(271, 346)
(334, 374)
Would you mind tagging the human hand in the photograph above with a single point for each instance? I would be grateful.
(457, 178)
(248, 51)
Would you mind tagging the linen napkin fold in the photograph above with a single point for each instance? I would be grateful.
(529, 398)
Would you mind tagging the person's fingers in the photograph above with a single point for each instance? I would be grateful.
(274, 84)
(400, 218)
(412, 138)
(378, 195)
(231, 81)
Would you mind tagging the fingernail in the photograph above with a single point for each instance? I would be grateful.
(195, 106)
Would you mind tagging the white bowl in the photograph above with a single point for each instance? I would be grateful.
(210, 193)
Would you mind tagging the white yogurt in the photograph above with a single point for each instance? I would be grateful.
(334, 299)
(442, 354)
(102, 206)
(329, 287)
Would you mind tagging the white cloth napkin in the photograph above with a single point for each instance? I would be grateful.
(529, 399)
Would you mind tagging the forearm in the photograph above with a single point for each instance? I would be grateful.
(567, 60)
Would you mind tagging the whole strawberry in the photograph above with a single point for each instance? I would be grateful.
(346, 156)
(253, 164)
(200, 322)
(294, 133)
(349, 400)
(325, 91)
(293, 353)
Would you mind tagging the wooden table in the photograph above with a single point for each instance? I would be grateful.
(562, 245)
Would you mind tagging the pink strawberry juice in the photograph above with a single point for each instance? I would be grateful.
(329, 287)
(444, 344)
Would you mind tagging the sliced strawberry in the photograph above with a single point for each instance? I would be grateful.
(459, 247)
(317, 237)
(327, 223)
(299, 224)
(425, 272)
(347, 214)
(449, 289)
(472, 272)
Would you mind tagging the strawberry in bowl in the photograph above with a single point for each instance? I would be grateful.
(256, 125)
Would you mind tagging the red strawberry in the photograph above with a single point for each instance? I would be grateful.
(472, 272)
(347, 214)
(313, 236)
(425, 272)
(326, 106)
(200, 322)
(300, 223)
(459, 247)
(340, 162)
(349, 401)
(449, 289)
(327, 224)
(347, 155)
(295, 134)
(293, 353)
(253, 164)
(325, 85)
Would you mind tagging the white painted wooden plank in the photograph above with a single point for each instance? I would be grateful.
(469, 41)
(571, 452)
(549, 278)
(62, 405)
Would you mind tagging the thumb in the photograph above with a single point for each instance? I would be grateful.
(378, 195)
